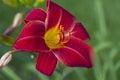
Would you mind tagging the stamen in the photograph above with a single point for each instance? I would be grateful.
(55, 37)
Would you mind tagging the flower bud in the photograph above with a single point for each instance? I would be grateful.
(6, 58)
(16, 22)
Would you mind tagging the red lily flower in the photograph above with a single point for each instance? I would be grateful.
(55, 35)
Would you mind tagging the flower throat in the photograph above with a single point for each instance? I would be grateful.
(54, 37)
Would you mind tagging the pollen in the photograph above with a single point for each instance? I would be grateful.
(54, 37)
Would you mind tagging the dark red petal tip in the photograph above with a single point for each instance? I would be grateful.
(46, 63)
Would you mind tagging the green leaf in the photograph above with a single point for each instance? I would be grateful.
(9, 41)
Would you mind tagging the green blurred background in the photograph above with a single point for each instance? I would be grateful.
(101, 18)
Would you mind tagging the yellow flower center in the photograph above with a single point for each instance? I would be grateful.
(54, 37)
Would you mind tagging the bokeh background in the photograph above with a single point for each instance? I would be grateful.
(101, 18)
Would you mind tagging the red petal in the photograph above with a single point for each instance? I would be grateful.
(80, 32)
(70, 57)
(53, 15)
(84, 49)
(46, 63)
(76, 54)
(36, 14)
(31, 44)
(30, 38)
(33, 28)
(56, 15)
(67, 21)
